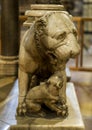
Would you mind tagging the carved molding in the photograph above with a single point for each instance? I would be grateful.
(8, 65)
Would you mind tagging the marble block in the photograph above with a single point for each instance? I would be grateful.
(72, 122)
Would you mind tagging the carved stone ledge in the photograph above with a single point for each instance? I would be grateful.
(46, 7)
(38, 10)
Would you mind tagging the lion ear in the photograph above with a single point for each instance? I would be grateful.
(40, 23)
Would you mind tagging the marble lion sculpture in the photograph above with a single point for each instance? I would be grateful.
(45, 49)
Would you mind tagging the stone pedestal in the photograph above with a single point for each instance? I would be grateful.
(72, 122)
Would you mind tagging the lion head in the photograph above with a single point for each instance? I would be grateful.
(56, 34)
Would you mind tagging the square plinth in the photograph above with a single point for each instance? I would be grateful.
(72, 122)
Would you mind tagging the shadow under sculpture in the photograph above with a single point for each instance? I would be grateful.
(45, 49)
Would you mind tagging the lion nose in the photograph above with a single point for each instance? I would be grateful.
(73, 45)
(74, 53)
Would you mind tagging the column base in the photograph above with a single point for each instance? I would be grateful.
(8, 65)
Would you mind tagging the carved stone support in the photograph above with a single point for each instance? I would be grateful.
(9, 37)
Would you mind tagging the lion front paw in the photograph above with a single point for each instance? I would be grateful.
(63, 110)
(63, 113)
(22, 109)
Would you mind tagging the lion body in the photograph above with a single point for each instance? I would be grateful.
(45, 49)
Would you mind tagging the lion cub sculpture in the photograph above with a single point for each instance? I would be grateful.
(46, 93)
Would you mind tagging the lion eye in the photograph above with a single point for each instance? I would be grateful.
(61, 36)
